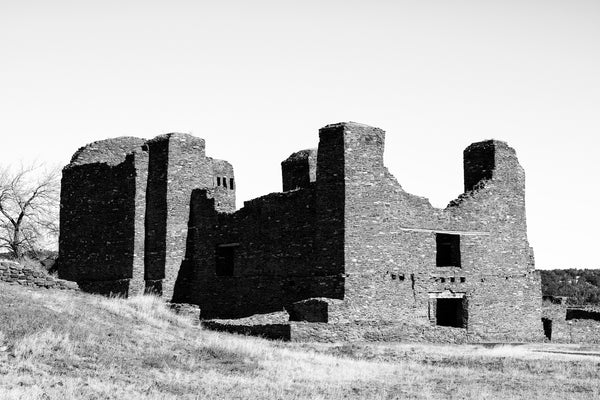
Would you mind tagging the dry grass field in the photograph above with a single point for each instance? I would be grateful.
(59, 345)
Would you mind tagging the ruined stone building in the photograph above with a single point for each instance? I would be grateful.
(566, 323)
(342, 248)
(125, 208)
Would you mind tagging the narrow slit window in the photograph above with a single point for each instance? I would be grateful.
(218, 181)
(230, 183)
(224, 182)
(447, 250)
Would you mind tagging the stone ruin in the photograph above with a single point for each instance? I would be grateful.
(343, 249)
(125, 208)
(15, 273)
(564, 323)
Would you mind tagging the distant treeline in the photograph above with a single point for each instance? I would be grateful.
(582, 286)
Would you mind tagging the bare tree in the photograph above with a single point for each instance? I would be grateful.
(29, 206)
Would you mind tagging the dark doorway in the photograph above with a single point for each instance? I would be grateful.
(547, 327)
(451, 312)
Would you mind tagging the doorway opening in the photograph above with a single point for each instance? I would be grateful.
(451, 312)
(547, 327)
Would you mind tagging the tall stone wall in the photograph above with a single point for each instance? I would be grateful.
(125, 207)
(272, 242)
(155, 249)
(224, 186)
(383, 244)
(330, 203)
(390, 243)
(372, 244)
(102, 215)
(177, 166)
(342, 229)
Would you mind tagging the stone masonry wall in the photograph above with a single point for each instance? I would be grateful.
(286, 246)
(155, 250)
(125, 210)
(299, 169)
(382, 243)
(223, 186)
(572, 325)
(274, 263)
(343, 229)
(389, 232)
(101, 219)
(15, 273)
(188, 169)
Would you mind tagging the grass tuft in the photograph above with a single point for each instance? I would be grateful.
(147, 308)
(43, 344)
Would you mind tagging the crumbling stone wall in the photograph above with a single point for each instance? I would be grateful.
(355, 225)
(299, 169)
(390, 232)
(15, 273)
(101, 242)
(272, 241)
(284, 247)
(343, 230)
(125, 209)
(570, 324)
(178, 165)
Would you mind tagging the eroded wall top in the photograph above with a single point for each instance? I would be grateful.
(110, 151)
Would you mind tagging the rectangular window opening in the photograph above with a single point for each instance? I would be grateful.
(447, 250)
(573, 313)
(218, 181)
(451, 312)
(230, 183)
(225, 182)
(225, 255)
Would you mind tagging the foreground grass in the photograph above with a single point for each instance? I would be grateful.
(57, 345)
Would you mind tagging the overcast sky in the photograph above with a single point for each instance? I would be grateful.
(257, 79)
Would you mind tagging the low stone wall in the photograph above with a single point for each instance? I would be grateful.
(15, 273)
(269, 326)
(571, 324)
(376, 332)
(344, 332)
(278, 326)
(190, 311)
(582, 331)
(267, 331)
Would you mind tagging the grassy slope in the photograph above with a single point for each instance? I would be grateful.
(58, 345)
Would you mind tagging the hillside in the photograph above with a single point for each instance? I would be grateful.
(582, 286)
(69, 345)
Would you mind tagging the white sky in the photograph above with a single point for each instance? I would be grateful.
(257, 79)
